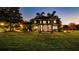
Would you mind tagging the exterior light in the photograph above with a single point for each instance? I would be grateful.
(2, 24)
(21, 26)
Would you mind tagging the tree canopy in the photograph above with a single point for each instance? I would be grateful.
(10, 14)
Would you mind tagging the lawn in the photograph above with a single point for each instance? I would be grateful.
(31, 41)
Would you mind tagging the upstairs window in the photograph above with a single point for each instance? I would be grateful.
(44, 22)
(48, 22)
(40, 22)
(35, 21)
(54, 21)
(14, 11)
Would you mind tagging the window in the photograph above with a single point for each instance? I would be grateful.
(48, 22)
(40, 22)
(44, 22)
(54, 21)
(35, 21)
(55, 27)
(35, 27)
(49, 28)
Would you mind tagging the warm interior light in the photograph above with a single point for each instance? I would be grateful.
(35, 27)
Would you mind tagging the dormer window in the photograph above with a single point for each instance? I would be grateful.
(54, 21)
(44, 22)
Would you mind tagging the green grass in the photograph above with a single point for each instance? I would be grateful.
(30, 41)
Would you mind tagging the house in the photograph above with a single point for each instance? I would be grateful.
(46, 23)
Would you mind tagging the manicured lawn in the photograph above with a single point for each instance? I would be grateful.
(30, 41)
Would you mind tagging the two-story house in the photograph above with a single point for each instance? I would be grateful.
(46, 23)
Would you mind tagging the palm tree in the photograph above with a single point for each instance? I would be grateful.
(42, 13)
(51, 15)
(39, 15)
(48, 14)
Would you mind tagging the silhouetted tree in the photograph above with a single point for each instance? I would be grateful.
(72, 26)
(10, 14)
(51, 15)
(40, 15)
(77, 26)
(65, 27)
(48, 14)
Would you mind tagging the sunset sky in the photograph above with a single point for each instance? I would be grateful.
(67, 14)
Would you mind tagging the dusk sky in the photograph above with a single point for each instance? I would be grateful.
(67, 14)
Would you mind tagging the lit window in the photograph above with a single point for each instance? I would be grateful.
(44, 22)
(49, 27)
(55, 27)
(48, 22)
(34, 21)
(54, 21)
(40, 22)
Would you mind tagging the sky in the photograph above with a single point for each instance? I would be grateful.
(67, 14)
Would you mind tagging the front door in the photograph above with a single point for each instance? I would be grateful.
(49, 28)
(45, 28)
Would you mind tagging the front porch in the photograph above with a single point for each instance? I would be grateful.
(46, 28)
